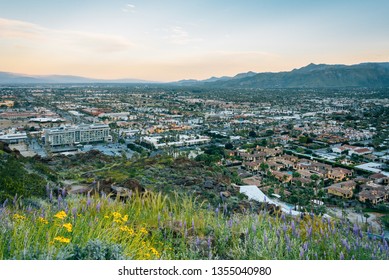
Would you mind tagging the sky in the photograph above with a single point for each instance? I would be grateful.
(173, 39)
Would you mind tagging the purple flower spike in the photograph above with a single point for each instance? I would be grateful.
(305, 246)
(301, 253)
(74, 212)
(98, 206)
(341, 257)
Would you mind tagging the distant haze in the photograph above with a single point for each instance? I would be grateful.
(174, 40)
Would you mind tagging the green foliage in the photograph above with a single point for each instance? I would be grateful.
(97, 250)
(16, 180)
(153, 226)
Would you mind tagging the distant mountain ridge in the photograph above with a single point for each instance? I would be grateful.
(12, 78)
(370, 75)
(311, 76)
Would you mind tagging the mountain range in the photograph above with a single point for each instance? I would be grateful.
(311, 76)
(12, 78)
(369, 75)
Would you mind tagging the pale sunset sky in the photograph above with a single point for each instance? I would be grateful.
(171, 40)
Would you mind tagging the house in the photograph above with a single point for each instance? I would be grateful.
(282, 176)
(339, 191)
(343, 189)
(373, 196)
(373, 193)
(251, 166)
(339, 174)
(379, 178)
(359, 151)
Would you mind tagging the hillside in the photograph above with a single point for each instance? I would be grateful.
(172, 209)
(371, 75)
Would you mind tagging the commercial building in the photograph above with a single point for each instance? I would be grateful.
(14, 138)
(81, 134)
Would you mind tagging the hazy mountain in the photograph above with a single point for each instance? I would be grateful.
(310, 76)
(12, 78)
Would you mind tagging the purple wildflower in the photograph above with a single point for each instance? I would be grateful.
(217, 211)
(345, 244)
(59, 200)
(341, 257)
(63, 192)
(301, 253)
(309, 232)
(230, 223)
(51, 196)
(197, 242)
(15, 199)
(98, 206)
(88, 203)
(74, 212)
(305, 246)
(265, 239)
(356, 230)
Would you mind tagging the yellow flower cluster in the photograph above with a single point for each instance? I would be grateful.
(61, 215)
(154, 252)
(19, 217)
(143, 230)
(130, 231)
(118, 218)
(43, 220)
(62, 239)
(68, 227)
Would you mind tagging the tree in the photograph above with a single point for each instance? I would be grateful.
(296, 174)
(229, 146)
(252, 134)
(270, 192)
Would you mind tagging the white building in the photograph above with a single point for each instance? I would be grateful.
(77, 134)
(15, 138)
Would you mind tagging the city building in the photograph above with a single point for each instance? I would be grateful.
(15, 138)
(81, 134)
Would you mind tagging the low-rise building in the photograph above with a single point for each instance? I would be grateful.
(82, 134)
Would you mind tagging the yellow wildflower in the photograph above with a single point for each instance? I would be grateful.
(117, 215)
(125, 228)
(106, 217)
(61, 215)
(147, 256)
(143, 230)
(43, 220)
(130, 231)
(68, 227)
(154, 251)
(125, 218)
(19, 217)
(62, 239)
